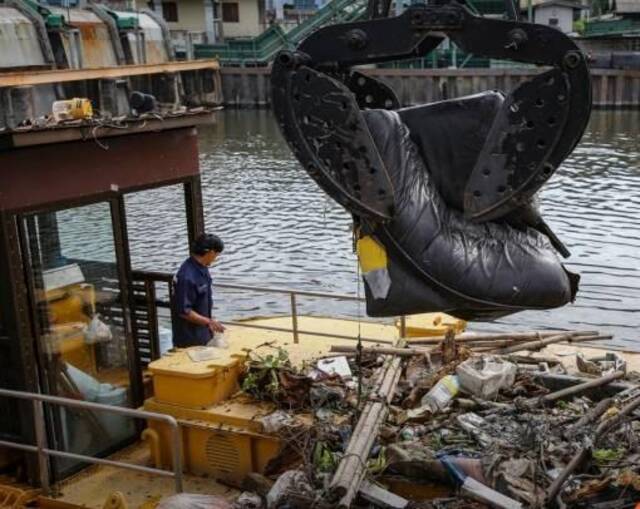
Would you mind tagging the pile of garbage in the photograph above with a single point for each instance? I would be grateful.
(467, 422)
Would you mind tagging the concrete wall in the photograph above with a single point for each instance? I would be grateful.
(190, 15)
(564, 15)
(249, 20)
(251, 88)
(192, 18)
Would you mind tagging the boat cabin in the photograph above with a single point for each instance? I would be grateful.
(75, 319)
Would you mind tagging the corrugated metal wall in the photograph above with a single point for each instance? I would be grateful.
(18, 40)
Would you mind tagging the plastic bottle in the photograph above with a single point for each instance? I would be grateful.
(441, 393)
(72, 109)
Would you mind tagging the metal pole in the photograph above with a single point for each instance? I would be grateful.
(177, 456)
(530, 10)
(403, 327)
(294, 318)
(41, 444)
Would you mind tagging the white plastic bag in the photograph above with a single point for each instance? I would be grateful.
(218, 341)
(485, 376)
(193, 501)
(275, 421)
(97, 331)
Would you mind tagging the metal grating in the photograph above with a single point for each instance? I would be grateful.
(222, 454)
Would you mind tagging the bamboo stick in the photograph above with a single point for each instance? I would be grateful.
(401, 352)
(539, 345)
(352, 467)
(534, 345)
(577, 389)
(582, 454)
(492, 336)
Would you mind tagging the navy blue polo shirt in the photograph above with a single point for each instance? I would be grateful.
(192, 291)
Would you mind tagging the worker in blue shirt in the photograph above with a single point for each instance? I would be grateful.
(193, 295)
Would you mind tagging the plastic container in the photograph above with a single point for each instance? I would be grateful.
(72, 109)
(441, 393)
(485, 376)
(179, 380)
(431, 324)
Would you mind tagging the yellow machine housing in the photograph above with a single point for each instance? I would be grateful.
(222, 437)
(224, 441)
(179, 380)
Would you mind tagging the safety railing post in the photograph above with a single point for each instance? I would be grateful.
(41, 444)
(294, 318)
(177, 456)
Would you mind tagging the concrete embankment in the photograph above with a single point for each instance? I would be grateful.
(250, 87)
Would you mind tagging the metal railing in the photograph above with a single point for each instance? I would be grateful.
(293, 299)
(294, 312)
(42, 450)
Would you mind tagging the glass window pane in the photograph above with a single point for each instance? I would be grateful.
(159, 242)
(73, 258)
(157, 228)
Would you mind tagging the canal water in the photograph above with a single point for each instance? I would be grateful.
(281, 230)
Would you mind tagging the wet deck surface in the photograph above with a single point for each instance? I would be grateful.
(93, 486)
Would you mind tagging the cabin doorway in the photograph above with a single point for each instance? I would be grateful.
(77, 270)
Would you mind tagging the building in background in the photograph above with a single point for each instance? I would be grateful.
(211, 21)
(616, 33)
(560, 14)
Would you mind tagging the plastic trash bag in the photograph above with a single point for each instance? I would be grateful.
(218, 341)
(438, 260)
(193, 501)
(97, 331)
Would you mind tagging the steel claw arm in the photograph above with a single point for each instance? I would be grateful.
(317, 98)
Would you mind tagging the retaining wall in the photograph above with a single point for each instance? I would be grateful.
(250, 87)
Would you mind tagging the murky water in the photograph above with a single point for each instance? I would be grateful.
(281, 230)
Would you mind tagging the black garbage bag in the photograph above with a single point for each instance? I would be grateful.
(435, 259)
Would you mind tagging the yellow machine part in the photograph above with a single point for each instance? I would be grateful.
(371, 254)
(223, 441)
(179, 380)
(67, 308)
(15, 496)
(432, 324)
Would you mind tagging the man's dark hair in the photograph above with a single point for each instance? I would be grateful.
(207, 242)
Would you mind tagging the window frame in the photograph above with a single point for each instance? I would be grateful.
(226, 17)
(170, 10)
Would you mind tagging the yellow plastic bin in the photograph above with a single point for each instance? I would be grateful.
(178, 379)
(224, 441)
(432, 324)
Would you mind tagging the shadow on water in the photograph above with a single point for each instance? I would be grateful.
(281, 230)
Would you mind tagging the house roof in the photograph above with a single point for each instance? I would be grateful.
(560, 3)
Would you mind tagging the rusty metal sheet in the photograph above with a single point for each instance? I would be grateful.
(19, 46)
(63, 173)
(97, 47)
(155, 48)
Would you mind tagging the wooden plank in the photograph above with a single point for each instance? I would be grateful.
(15, 79)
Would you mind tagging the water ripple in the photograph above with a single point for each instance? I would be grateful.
(281, 230)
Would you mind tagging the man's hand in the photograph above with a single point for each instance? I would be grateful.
(216, 326)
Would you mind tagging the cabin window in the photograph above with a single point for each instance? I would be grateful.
(230, 13)
(553, 22)
(170, 11)
(83, 331)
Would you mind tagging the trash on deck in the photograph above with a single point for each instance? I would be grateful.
(473, 421)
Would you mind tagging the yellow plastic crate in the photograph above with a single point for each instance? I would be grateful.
(432, 324)
(178, 380)
(224, 441)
